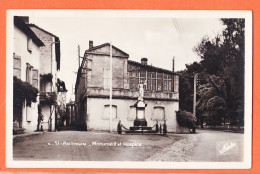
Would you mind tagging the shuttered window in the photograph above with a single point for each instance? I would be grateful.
(17, 66)
(35, 78)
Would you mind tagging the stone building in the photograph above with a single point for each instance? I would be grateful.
(161, 92)
(26, 67)
(49, 66)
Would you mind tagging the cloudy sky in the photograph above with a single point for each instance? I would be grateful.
(157, 38)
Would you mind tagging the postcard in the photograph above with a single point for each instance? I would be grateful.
(164, 89)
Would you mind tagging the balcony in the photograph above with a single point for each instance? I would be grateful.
(48, 97)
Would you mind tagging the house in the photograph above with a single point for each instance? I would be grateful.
(161, 90)
(49, 66)
(26, 68)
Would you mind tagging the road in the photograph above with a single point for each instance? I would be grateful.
(205, 145)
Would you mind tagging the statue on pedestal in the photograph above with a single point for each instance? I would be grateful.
(141, 92)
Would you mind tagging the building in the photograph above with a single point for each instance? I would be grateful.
(92, 90)
(26, 68)
(49, 66)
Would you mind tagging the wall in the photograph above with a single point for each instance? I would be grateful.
(47, 64)
(45, 51)
(95, 111)
(29, 115)
(100, 74)
(97, 93)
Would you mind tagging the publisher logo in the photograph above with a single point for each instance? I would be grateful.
(227, 147)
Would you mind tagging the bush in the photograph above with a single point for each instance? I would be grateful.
(185, 119)
(23, 91)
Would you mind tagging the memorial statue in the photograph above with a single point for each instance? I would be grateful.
(141, 92)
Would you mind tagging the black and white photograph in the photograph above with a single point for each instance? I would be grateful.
(129, 89)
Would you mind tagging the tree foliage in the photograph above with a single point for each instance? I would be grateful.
(221, 91)
(23, 91)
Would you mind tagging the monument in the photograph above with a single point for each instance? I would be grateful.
(140, 123)
(140, 108)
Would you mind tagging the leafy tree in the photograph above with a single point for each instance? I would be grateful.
(186, 83)
(223, 67)
(220, 94)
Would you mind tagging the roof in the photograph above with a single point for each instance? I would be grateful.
(150, 67)
(33, 25)
(57, 44)
(26, 29)
(107, 44)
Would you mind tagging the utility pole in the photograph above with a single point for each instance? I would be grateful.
(110, 93)
(79, 54)
(194, 95)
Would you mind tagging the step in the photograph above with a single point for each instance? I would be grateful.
(140, 131)
(67, 128)
(140, 128)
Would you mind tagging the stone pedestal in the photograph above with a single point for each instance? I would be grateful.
(140, 114)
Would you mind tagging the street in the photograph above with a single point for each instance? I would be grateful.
(205, 145)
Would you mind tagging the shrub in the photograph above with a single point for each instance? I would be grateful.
(23, 91)
(185, 119)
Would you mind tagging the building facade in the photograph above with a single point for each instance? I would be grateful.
(161, 92)
(26, 68)
(49, 66)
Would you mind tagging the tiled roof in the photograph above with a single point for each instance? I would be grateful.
(107, 44)
(24, 27)
(33, 25)
(150, 67)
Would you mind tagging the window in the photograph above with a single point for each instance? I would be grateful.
(176, 83)
(143, 79)
(29, 44)
(106, 78)
(167, 82)
(132, 113)
(17, 66)
(159, 81)
(153, 77)
(158, 113)
(28, 73)
(133, 80)
(106, 115)
(35, 78)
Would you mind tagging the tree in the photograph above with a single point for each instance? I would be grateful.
(186, 83)
(222, 96)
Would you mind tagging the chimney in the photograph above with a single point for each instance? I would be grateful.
(144, 61)
(173, 64)
(25, 19)
(90, 44)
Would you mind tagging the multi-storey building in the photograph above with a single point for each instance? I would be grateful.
(26, 67)
(49, 65)
(92, 90)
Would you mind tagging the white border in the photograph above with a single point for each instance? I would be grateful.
(10, 163)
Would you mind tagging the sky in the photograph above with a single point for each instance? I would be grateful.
(157, 38)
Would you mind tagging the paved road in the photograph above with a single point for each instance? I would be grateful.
(99, 146)
(205, 145)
